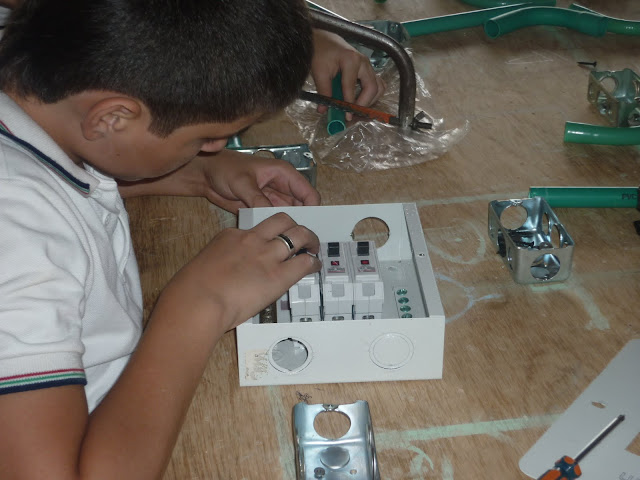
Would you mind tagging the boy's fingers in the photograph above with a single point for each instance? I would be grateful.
(371, 87)
(297, 267)
(272, 226)
(349, 81)
(246, 190)
(290, 242)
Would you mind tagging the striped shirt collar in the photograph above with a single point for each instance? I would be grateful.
(24, 132)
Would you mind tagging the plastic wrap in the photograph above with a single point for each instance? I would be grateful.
(368, 145)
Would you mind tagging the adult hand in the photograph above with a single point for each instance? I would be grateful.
(333, 55)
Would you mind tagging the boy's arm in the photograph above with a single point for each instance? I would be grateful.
(48, 434)
(10, 3)
(232, 180)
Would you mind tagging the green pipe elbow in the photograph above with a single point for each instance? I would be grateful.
(615, 25)
(336, 121)
(457, 21)
(505, 3)
(600, 135)
(584, 22)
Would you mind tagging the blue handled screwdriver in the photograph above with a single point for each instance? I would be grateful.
(568, 468)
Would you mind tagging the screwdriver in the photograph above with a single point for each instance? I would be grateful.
(568, 468)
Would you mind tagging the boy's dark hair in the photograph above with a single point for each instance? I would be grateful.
(188, 61)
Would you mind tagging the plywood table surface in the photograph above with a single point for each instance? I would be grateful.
(516, 356)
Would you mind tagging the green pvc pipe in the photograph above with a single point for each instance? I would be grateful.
(599, 135)
(615, 25)
(234, 142)
(584, 22)
(457, 21)
(506, 3)
(336, 121)
(588, 197)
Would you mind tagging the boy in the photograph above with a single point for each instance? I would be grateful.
(146, 92)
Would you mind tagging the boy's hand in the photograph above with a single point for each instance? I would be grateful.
(231, 180)
(333, 55)
(236, 180)
(240, 272)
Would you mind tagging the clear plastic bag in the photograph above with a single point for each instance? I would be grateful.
(368, 145)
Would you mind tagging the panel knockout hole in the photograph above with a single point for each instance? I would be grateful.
(392, 350)
(290, 355)
(373, 229)
(545, 267)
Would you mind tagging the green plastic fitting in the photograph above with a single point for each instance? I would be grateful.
(336, 121)
(615, 25)
(587, 197)
(599, 135)
(457, 21)
(506, 3)
(584, 22)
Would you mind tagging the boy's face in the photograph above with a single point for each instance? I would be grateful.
(142, 154)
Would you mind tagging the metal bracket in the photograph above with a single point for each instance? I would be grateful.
(359, 33)
(616, 94)
(539, 250)
(352, 456)
(297, 155)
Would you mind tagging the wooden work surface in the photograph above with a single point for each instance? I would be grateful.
(516, 356)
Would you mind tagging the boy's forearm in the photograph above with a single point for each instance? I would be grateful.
(131, 434)
(133, 431)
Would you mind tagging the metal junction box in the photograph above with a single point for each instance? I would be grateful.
(540, 249)
(405, 342)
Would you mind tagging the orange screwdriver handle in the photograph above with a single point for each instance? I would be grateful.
(564, 469)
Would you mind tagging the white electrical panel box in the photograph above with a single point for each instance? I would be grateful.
(370, 314)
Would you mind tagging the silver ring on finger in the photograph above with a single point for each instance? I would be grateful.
(287, 241)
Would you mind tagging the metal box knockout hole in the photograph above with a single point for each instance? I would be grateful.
(290, 355)
(531, 239)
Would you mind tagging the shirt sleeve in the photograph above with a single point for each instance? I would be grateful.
(43, 275)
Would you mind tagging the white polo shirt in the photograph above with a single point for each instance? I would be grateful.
(70, 298)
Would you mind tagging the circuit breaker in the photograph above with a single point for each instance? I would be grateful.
(371, 314)
(348, 287)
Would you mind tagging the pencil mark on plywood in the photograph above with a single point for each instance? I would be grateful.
(398, 438)
(459, 232)
(597, 320)
(447, 468)
(468, 293)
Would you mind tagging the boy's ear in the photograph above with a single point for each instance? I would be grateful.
(110, 115)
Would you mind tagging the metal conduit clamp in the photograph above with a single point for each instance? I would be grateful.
(359, 33)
